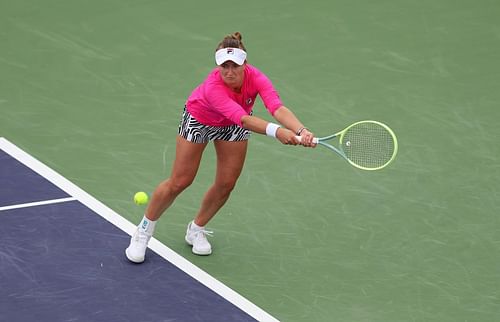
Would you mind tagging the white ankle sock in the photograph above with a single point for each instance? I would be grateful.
(195, 226)
(147, 225)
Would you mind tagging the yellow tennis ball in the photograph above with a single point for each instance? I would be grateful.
(141, 198)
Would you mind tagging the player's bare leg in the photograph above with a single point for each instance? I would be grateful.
(186, 164)
(230, 161)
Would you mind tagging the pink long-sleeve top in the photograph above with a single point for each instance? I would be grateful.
(214, 103)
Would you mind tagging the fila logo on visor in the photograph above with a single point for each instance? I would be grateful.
(235, 54)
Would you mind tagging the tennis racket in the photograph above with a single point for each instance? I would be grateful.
(367, 145)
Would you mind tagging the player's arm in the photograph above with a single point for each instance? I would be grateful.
(281, 113)
(261, 126)
(286, 117)
(231, 110)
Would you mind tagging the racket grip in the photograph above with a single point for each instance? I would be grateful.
(315, 140)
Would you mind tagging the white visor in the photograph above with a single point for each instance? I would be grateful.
(234, 54)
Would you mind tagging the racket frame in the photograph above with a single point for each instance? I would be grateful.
(323, 141)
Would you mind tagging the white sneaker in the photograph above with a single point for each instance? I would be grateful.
(138, 245)
(198, 239)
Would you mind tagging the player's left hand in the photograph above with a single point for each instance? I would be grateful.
(307, 138)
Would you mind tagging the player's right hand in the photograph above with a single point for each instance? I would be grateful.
(286, 136)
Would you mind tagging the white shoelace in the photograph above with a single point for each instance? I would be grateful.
(141, 237)
(205, 232)
(201, 235)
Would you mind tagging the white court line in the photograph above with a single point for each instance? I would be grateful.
(128, 227)
(37, 203)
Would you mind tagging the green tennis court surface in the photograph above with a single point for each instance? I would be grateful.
(95, 91)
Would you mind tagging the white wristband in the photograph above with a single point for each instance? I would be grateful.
(271, 129)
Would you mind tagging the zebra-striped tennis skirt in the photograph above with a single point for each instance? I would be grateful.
(194, 131)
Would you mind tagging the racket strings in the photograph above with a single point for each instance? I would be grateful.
(368, 145)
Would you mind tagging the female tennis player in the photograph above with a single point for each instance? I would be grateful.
(218, 110)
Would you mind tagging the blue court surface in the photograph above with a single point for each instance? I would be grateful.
(62, 259)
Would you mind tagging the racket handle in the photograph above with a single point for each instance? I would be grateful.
(315, 140)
